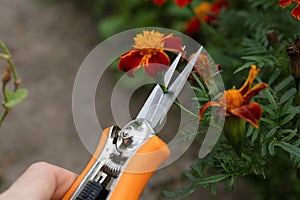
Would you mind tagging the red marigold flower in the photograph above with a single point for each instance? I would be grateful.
(149, 48)
(237, 102)
(182, 3)
(159, 2)
(217, 6)
(296, 11)
(192, 26)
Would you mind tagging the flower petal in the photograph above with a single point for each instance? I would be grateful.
(173, 44)
(159, 2)
(182, 3)
(284, 3)
(252, 75)
(192, 26)
(130, 61)
(205, 107)
(251, 113)
(254, 91)
(217, 6)
(156, 63)
(296, 11)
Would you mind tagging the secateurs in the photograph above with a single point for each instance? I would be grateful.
(126, 158)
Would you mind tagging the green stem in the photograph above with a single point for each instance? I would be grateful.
(5, 49)
(5, 113)
(185, 109)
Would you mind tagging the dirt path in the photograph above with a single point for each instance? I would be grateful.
(49, 41)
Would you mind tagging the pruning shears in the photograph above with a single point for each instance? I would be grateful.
(126, 158)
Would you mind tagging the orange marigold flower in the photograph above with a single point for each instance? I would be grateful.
(237, 102)
(209, 12)
(192, 26)
(296, 11)
(159, 2)
(203, 10)
(182, 3)
(149, 48)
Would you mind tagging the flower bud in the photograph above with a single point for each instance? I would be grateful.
(6, 76)
(272, 37)
(234, 129)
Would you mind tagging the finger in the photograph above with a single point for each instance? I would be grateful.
(41, 181)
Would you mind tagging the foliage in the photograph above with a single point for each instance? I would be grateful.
(10, 99)
(248, 32)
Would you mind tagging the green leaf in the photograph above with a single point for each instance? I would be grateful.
(271, 99)
(287, 119)
(292, 133)
(190, 176)
(287, 95)
(294, 109)
(213, 179)
(289, 148)
(16, 98)
(268, 121)
(274, 76)
(287, 107)
(272, 132)
(245, 66)
(271, 148)
(283, 83)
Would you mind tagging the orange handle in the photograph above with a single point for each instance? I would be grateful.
(92, 161)
(137, 172)
(139, 169)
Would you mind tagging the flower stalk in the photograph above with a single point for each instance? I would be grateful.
(10, 71)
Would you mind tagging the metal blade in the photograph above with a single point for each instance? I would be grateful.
(157, 93)
(178, 84)
(168, 99)
(170, 72)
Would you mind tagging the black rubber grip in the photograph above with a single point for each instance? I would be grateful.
(92, 191)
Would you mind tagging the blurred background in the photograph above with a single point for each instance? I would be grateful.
(49, 39)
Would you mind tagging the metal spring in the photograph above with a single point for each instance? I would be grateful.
(111, 168)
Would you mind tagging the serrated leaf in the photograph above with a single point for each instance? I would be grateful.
(289, 148)
(16, 98)
(254, 135)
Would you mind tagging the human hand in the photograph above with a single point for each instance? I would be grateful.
(41, 181)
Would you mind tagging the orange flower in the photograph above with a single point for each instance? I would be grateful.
(296, 11)
(192, 26)
(203, 10)
(237, 102)
(149, 48)
(182, 3)
(209, 12)
(159, 2)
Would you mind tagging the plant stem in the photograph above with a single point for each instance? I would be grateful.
(5, 113)
(185, 109)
